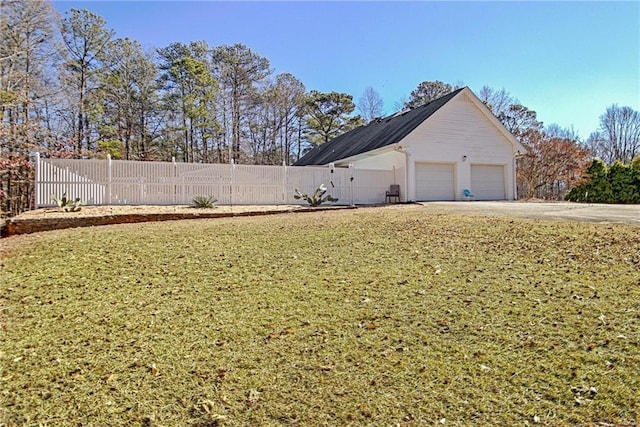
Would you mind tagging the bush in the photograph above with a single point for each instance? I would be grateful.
(317, 198)
(204, 201)
(619, 183)
(68, 204)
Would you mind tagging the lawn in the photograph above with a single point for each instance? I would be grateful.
(386, 317)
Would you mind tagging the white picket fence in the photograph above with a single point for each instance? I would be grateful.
(112, 182)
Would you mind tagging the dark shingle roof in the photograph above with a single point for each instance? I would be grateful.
(377, 134)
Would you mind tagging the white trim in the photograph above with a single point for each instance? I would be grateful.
(366, 154)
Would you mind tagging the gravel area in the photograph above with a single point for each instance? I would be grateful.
(92, 211)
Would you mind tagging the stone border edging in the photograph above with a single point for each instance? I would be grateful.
(16, 226)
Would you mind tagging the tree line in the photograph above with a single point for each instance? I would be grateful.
(70, 88)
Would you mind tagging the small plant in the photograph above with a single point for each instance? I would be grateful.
(68, 204)
(318, 197)
(204, 201)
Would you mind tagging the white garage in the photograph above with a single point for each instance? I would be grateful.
(435, 181)
(436, 151)
(488, 182)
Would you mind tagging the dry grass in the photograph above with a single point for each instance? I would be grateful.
(368, 317)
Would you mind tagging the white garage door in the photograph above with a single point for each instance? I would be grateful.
(434, 181)
(487, 182)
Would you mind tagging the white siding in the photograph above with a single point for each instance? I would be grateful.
(461, 134)
(384, 161)
(393, 161)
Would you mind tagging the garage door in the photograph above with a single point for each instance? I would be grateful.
(487, 182)
(434, 181)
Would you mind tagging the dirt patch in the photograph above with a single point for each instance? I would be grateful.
(55, 219)
(92, 211)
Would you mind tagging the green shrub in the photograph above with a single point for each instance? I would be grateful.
(618, 183)
(317, 198)
(622, 182)
(204, 201)
(68, 204)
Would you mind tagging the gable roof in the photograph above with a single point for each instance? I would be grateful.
(377, 134)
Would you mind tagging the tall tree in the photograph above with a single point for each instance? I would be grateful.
(26, 50)
(274, 120)
(329, 115)
(262, 126)
(370, 104)
(428, 91)
(240, 72)
(618, 137)
(190, 92)
(86, 39)
(290, 103)
(519, 120)
(128, 95)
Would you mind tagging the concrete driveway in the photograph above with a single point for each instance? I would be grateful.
(565, 211)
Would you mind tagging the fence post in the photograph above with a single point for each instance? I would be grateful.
(284, 182)
(36, 160)
(233, 175)
(109, 179)
(331, 172)
(174, 180)
(351, 182)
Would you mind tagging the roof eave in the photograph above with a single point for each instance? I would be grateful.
(367, 154)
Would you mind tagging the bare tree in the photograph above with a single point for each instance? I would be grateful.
(370, 104)
(498, 101)
(554, 130)
(618, 138)
(290, 103)
(399, 104)
(26, 50)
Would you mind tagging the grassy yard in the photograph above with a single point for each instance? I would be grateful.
(382, 317)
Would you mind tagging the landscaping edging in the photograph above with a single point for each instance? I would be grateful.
(15, 226)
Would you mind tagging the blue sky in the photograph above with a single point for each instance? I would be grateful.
(568, 61)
